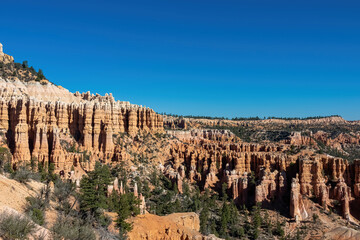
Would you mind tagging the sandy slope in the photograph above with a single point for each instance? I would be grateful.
(13, 194)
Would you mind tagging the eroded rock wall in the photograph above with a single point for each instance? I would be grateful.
(43, 129)
(263, 172)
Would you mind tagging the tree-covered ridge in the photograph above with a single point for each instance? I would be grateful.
(22, 71)
(247, 118)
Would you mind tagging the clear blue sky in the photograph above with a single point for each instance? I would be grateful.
(216, 58)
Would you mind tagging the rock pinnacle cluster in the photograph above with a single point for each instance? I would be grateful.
(41, 120)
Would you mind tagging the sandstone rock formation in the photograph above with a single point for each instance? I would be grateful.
(297, 207)
(42, 120)
(260, 172)
(4, 58)
(342, 233)
(175, 226)
(51, 125)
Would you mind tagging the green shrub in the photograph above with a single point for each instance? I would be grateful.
(37, 216)
(36, 206)
(104, 234)
(63, 190)
(278, 230)
(14, 226)
(5, 158)
(104, 220)
(72, 229)
(315, 217)
(22, 175)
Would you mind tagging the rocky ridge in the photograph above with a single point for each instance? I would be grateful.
(264, 173)
(41, 121)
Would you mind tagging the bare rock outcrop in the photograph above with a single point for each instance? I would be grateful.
(297, 207)
(175, 226)
(259, 172)
(37, 117)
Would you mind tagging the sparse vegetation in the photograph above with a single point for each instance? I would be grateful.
(24, 174)
(36, 205)
(21, 71)
(5, 158)
(247, 118)
(14, 226)
(69, 228)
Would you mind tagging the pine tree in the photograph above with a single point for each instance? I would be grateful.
(175, 187)
(204, 220)
(298, 236)
(102, 178)
(224, 219)
(32, 70)
(256, 218)
(278, 228)
(146, 189)
(234, 229)
(256, 221)
(25, 64)
(40, 75)
(88, 198)
(223, 192)
(127, 206)
(196, 200)
(186, 189)
(93, 189)
(267, 222)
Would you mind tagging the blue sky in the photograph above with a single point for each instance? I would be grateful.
(215, 58)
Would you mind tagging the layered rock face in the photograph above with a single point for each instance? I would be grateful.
(42, 120)
(175, 226)
(34, 127)
(263, 172)
(174, 122)
(213, 157)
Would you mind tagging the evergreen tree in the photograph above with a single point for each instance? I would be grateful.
(175, 187)
(223, 192)
(278, 228)
(186, 189)
(93, 189)
(247, 222)
(51, 175)
(25, 64)
(224, 219)
(88, 198)
(126, 206)
(42, 171)
(146, 190)
(32, 70)
(267, 222)
(298, 236)
(256, 221)
(40, 75)
(256, 217)
(234, 229)
(204, 220)
(213, 227)
(196, 200)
